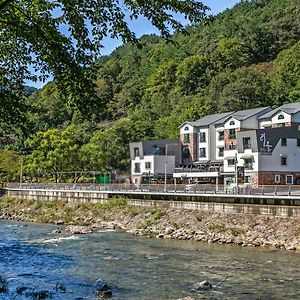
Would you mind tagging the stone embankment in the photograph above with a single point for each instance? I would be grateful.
(159, 222)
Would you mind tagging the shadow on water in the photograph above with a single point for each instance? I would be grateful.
(64, 267)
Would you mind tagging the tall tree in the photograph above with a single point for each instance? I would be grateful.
(32, 40)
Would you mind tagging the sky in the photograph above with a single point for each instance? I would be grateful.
(142, 26)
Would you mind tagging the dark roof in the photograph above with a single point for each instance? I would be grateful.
(248, 113)
(150, 146)
(290, 108)
(208, 120)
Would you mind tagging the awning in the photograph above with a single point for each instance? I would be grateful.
(247, 156)
(219, 129)
(220, 146)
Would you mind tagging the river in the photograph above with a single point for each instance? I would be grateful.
(67, 267)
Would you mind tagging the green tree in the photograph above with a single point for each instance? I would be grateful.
(31, 39)
(55, 151)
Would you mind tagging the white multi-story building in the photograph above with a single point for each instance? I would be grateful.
(258, 146)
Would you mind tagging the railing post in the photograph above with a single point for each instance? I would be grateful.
(275, 191)
(262, 190)
(290, 189)
(204, 190)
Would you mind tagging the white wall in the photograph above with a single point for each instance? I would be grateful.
(273, 162)
(157, 164)
(264, 124)
(237, 124)
(185, 128)
(287, 118)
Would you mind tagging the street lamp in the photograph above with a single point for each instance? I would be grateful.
(166, 163)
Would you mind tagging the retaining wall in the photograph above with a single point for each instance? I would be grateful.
(201, 204)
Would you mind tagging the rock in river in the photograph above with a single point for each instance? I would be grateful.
(78, 229)
(102, 289)
(203, 285)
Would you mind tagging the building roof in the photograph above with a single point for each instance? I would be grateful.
(248, 113)
(208, 120)
(290, 108)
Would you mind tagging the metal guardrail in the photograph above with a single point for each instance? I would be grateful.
(192, 189)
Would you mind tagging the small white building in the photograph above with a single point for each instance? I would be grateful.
(153, 160)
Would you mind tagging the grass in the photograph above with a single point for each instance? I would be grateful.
(235, 231)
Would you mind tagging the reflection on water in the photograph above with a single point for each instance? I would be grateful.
(139, 268)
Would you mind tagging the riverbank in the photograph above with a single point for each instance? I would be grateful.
(160, 222)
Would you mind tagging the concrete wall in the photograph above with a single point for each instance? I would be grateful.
(203, 203)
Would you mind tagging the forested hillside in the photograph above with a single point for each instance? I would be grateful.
(246, 57)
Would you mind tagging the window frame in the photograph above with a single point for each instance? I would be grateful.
(137, 167)
(283, 159)
(283, 142)
(186, 138)
(232, 135)
(202, 137)
(286, 179)
(136, 152)
(202, 149)
(277, 178)
(146, 165)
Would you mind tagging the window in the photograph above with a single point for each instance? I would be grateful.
(289, 179)
(280, 117)
(232, 123)
(185, 153)
(186, 128)
(232, 133)
(248, 164)
(298, 142)
(221, 152)
(147, 165)
(136, 152)
(246, 143)
(247, 179)
(231, 162)
(277, 179)
(159, 151)
(202, 152)
(221, 136)
(283, 161)
(283, 142)
(137, 168)
(186, 138)
(202, 137)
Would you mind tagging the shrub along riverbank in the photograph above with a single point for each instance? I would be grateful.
(211, 227)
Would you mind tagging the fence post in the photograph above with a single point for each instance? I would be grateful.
(275, 191)
(262, 190)
(290, 189)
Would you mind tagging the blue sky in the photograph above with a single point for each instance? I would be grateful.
(142, 26)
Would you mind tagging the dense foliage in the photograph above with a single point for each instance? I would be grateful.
(246, 57)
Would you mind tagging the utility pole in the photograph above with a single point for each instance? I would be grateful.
(21, 172)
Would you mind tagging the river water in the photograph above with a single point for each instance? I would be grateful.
(67, 267)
